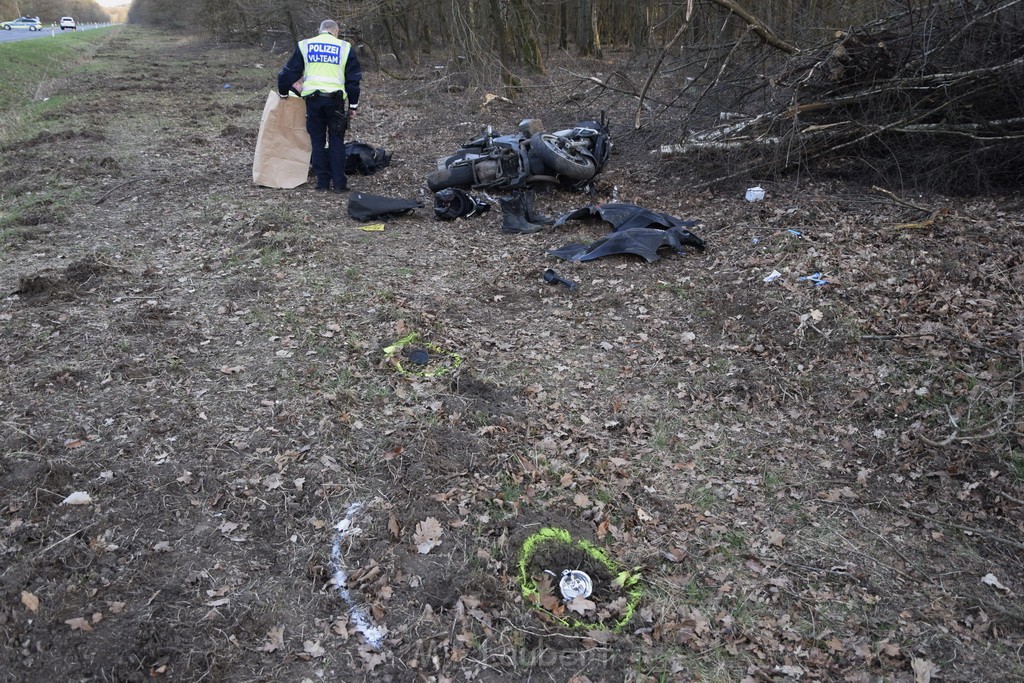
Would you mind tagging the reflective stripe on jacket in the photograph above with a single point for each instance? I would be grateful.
(325, 58)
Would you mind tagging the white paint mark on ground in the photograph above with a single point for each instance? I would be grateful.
(360, 617)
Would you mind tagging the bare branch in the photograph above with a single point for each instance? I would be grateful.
(758, 26)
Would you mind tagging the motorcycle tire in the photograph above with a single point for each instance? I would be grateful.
(456, 176)
(561, 160)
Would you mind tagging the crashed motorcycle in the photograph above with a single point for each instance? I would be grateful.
(529, 158)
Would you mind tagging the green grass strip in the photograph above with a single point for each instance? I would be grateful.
(24, 64)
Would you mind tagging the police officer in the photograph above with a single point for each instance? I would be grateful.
(330, 73)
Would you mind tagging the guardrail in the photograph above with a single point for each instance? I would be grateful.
(54, 26)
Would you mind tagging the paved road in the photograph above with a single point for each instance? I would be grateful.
(47, 32)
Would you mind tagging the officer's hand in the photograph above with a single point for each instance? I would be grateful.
(352, 112)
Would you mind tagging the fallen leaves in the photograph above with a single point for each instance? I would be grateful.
(428, 535)
(103, 543)
(30, 601)
(729, 469)
(275, 639)
(991, 580)
(581, 605)
(923, 669)
(393, 527)
(79, 624)
(313, 648)
(229, 528)
(371, 657)
(675, 555)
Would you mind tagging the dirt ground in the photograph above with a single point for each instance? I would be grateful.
(814, 482)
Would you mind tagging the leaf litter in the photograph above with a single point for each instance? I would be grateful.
(815, 480)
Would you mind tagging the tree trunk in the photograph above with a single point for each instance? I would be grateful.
(497, 23)
(392, 42)
(526, 40)
(588, 40)
(563, 25)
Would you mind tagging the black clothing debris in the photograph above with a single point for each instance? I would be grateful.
(364, 159)
(366, 207)
(643, 242)
(624, 216)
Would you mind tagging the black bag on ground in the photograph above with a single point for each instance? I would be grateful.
(363, 159)
(366, 207)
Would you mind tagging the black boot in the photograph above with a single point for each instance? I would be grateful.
(531, 213)
(513, 216)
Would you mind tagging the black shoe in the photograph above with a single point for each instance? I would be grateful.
(531, 213)
(340, 190)
(513, 219)
(321, 188)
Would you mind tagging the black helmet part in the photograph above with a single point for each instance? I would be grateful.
(452, 203)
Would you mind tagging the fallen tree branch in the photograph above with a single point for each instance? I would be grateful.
(1006, 496)
(114, 189)
(767, 35)
(896, 96)
(603, 84)
(897, 200)
(920, 225)
(971, 530)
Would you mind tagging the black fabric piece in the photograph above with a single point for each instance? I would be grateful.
(643, 242)
(366, 207)
(624, 216)
(452, 203)
(364, 159)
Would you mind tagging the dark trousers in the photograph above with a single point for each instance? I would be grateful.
(328, 147)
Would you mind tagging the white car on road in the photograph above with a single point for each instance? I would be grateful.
(68, 22)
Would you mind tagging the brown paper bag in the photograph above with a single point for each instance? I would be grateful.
(282, 146)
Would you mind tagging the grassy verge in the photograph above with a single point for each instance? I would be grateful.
(27, 65)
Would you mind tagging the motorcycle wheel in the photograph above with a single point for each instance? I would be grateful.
(457, 176)
(562, 160)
